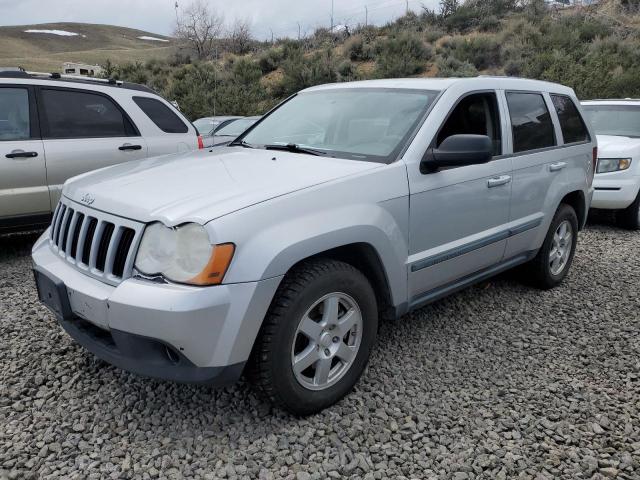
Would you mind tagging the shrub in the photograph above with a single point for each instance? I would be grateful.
(401, 56)
(357, 50)
(451, 67)
(270, 60)
(482, 51)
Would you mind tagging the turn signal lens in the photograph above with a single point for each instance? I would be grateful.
(218, 264)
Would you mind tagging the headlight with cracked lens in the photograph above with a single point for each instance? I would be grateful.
(607, 165)
(183, 254)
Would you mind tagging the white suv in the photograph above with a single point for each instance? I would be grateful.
(53, 127)
(617, 179)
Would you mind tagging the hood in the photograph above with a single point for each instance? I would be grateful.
(612, 146)
(201, 186)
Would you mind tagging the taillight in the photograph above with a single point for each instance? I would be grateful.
(595, 159)
(200, 142)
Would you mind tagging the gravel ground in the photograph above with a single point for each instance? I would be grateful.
(499, 381)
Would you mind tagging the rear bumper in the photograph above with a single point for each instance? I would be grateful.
(615, 191)
(166, 331)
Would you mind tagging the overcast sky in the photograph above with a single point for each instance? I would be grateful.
(158, 16)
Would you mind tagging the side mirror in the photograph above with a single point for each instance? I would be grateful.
(458, 151)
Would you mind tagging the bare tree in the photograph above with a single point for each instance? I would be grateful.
(449, 7)
(199, 27)
(241, 37)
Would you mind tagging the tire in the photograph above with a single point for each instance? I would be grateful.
(281, 343)
(540, 271)
(629, 218)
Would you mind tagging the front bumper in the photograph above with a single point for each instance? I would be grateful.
(167, 331)
(615, 190)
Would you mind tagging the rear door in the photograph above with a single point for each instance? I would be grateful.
(23, 180)
(541, 166)
(84, 130)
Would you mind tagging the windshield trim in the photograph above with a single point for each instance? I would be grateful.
(393, 156)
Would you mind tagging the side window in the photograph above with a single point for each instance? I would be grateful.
(530, 122)
(76, 114)
(475, 114)
(161, 115)
(14, 114)
(571, 123)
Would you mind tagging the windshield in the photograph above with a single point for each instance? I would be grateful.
(621, 120)
(357, 123)
(205, 125)
(236, 128)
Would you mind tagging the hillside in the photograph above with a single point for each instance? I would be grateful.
(47, 46)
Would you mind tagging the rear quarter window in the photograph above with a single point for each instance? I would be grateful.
(161, 115)
(571, 123)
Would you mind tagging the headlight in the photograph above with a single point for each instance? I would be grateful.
(606, 165)
(183, 254)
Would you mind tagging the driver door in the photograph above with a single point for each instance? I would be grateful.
(458, 215)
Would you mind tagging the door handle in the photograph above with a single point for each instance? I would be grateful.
(556, 167)
(21, 154)
(127, 146)
(497, 181)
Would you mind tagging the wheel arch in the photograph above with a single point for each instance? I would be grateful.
(364, 257)
(577, 201)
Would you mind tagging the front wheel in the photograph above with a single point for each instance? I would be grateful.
(630, 216)
(317, 336)
(553, 261)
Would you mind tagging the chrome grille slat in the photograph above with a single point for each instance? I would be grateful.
(112, 249)
(70, 233)
(85, 237)
(97, 236)
(54, 221)
(56, 232)
(64, 227)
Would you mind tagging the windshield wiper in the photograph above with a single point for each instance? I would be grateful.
(241, 143)
(292, 147)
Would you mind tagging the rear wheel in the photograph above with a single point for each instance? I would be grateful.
(630, 216)
(552, 263)
(317, 336)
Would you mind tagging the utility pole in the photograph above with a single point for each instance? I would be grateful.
(407, 2)
(271, 35)
(366, 16)
(177, 19)
(332, 16)
(299, 29)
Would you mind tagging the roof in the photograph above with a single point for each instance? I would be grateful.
(8, 73)
(444, 83)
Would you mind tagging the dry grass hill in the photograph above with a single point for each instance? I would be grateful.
(46, 51)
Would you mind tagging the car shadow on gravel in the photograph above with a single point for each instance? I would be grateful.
(17, 244)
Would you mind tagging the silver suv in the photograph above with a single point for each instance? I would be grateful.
(348, 203)
(54, 127)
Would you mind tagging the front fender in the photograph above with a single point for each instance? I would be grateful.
(272, 251)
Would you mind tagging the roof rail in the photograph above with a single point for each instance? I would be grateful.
(19, 72)
(60, 76)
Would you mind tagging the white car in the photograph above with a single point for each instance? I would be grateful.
(53, 127)
(617, 179)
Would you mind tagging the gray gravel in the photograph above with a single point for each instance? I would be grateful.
(499, 381)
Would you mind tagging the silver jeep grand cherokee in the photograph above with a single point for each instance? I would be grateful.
(277, 255)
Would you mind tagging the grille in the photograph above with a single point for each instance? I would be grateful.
(96, 243)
